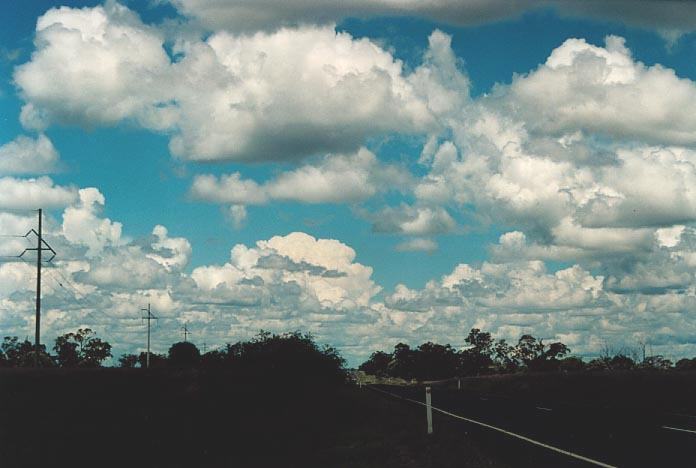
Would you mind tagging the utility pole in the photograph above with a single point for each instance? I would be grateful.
(186, 332)
(205, 347)
(41, 245)
(148, 318)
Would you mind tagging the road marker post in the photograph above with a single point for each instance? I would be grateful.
(459, 384)
(429, 409)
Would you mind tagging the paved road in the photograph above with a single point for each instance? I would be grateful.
(616, 437)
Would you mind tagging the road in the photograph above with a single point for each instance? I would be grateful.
(613, 436)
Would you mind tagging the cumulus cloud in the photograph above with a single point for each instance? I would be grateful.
(26, 155)
(83, 226)
(670, 18)
(231, 96)
(32, 193)
(604, 90)
(333, 179)
(413, 220)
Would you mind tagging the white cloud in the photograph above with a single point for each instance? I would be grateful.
(333, 179)
(231, 96)
(94, 66)
(34, 193)
(669, 18)
(83, 226)
(25, 155)
(413, 220)
(416, 245)
(603, 90)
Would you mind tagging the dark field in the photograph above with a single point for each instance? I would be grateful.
(168, 418)
(631, 419)
(134, 418)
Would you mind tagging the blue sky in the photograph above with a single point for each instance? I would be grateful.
(404, 161)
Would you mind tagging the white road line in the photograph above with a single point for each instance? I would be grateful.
(674, 429)
(527, 439)
(543, 409)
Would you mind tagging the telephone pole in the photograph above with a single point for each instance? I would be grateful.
(148, 318)
(41, 245)
(186, 332)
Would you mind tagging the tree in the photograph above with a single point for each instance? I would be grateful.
(505, 358)
(15, 353)
(537, 357)
(434, 361)
(403, 362)
(156, 360)
(81, 349)
(529, 350)
(477, 359)
(377, 364)
(184, 354)
(571, 364)
(686, 364)
(128, 361)
(289, 356)
(621, 362)
(656, 362)
(213, 359)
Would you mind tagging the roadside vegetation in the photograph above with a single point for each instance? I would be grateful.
(486, 356)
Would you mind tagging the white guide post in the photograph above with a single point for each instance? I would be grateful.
(459, 384)
(429, 409)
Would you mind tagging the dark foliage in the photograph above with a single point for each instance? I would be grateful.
(377, 364)
(128, 361)
(81, 349)
(156, 360)
(184, 354)
(431, 361)
(686, 365)
(290, 356)
(15, 353)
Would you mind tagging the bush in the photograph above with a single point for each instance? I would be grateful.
(184, 354)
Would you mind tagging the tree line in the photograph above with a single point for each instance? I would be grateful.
(286, 355)
(484, 356)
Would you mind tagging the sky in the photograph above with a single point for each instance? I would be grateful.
(369, 171)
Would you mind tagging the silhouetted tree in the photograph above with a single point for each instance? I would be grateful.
(529, 350)
(433, 361)
(621, 362)
(505, 358)
(685, 364)
(128, 360)
(15, 353)
(403, 362)
(289, 356)
(571, 364)
(184, 354)
(213, 359)
(655, 363)
(477, 359)
(156, 360)
(377, 364)
(82, 349)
